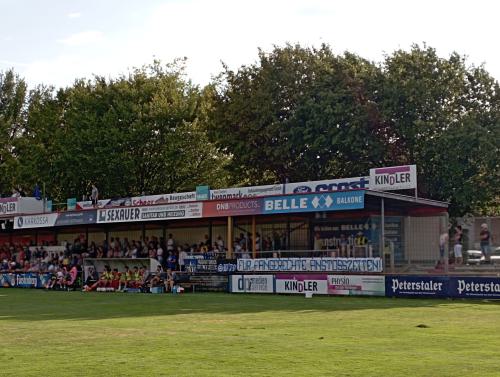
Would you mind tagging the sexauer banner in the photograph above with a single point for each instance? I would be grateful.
(310, 265)
(416, 286)
(252, 283)
(342, 184)
(301, 283)
(161, 212)
(475, 287)
(35, 221)
(246, 192)
(356, 285)
(394, 178)
(336, 201)
(24, 280)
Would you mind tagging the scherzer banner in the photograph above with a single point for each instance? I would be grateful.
(300, 283)
(394, 178)
(310, 265)
(356, 285)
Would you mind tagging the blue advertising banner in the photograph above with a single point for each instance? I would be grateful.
(416, 286)
(24, 280)
(475, 287)
(77, 218)
(334, 201)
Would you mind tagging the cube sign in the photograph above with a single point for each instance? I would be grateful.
(394, 178)
(202, 192)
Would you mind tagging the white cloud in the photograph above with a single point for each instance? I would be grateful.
(82, 38)
(74, 15)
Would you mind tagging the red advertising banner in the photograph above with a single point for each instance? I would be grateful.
(237, 207)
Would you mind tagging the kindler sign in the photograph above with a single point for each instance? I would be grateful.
(394, 178)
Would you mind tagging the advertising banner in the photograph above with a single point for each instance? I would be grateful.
(226, 266)
(8, 206)
(394, 178)
(252, 283)
(416, 286)
(310, 265)
(88, 204)
(202, 192)
(300, 283)
(163, 198)
(162, 212)
(475, 287)
(240, 207)
(342, 184)
(246, 192)
(24, 280)
(356, 285)
(76, 218)
(35, 221)
(336, 201)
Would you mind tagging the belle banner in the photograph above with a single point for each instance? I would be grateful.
(310, 265)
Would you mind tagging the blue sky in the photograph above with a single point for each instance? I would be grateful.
(55, 41)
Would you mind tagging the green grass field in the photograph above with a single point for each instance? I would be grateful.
(111, 334)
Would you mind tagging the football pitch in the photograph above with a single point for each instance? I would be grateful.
(208, 334)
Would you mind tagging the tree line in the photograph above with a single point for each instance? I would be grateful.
(295, 114)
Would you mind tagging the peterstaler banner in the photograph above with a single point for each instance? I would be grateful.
(416, 286)
(356, 285)
(163, 212)
(252, 283)
(475, 287)
(310, 265)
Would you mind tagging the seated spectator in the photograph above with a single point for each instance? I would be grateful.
(158, 278)
(125, 279)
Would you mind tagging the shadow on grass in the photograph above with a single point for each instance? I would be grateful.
(38, 305)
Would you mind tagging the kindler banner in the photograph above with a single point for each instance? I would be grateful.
(310, 265)
(335, 201)
(163, 212)
(394, 178)
(356, 285)
(300, 283)
(475, 287)
(252, 283)
(416, 286)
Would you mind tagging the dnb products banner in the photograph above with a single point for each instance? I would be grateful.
(310, 265)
